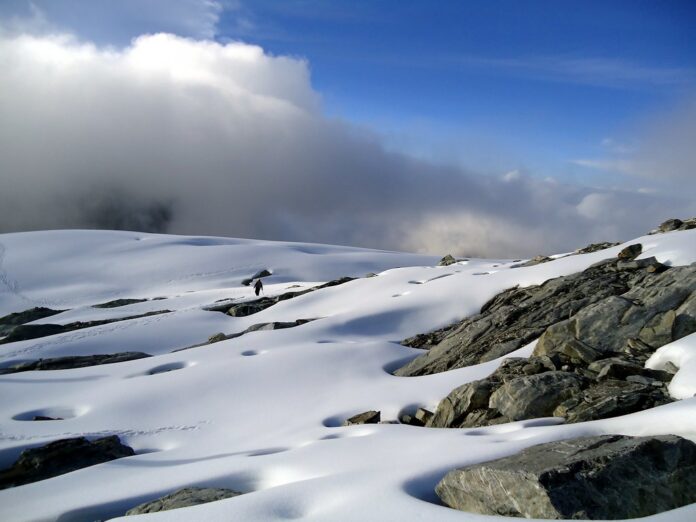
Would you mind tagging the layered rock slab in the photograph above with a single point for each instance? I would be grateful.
(185, 497)
(606, 477)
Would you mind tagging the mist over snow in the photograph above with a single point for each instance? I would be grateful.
(172, 134)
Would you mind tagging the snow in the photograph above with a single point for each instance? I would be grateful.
(261, 413)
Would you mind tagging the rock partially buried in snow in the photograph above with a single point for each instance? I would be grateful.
(630, 252)
(62, 456)
(447, 260)
(672, 225)
(367, 417)
(607, 477)
(183, 498)
(73, 361)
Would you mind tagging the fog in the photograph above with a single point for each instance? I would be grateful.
(185, 136)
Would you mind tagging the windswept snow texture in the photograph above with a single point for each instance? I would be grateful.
(261, 413)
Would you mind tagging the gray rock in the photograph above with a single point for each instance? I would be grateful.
(516, 317)
(61, 456)
(119, 302)
(536, 260)
(672, 225)
(531, 396)
(368, 417)
(183, 498)
(447, 260)
(630, 252)
(595, 247)
(34, 331)
(607, 477)
(9, 322)
(73, 361)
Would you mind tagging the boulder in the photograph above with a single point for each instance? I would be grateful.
(62, 456)
(8, 322)
(606, 477)
(447, 260)
(630, 252)
(183, 498)
(367, 417)
(536, 260)
(595, 247)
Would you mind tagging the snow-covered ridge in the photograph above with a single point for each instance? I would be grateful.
(260, 413)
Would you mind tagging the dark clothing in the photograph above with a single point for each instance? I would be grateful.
(258, 287)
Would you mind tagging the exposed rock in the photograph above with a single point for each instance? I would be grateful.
(368, 417)
(62, 456)
(630, 252)
(257, 275)
(607, 477)
(119, 302)
(183, 498)
(423, 415)
(73, 361)
(254, 306)
(517, 316)
(44, 418)
(34, 331)
(534, 261)
(9, 322)
(595, 247)
(447, 260)
(675, 224)
(275, 325)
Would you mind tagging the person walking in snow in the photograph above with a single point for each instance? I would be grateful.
(258, 287)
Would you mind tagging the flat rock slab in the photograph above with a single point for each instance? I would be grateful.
(62, 456)
(183, 498)
(73, 361)
(367, 417)
(606, 477)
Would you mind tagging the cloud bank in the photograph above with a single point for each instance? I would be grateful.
(186, 136)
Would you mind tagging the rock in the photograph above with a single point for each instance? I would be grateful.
(533, 396)
(368, 417)
(62, 456)
(44, 418)
(595, 247)
(423, 415)
(607, 477)
(447, 260)
(630, 252)
(255, 306)
(8, 322)
(257, 275)
(216, 338)
(517, 316)
(118, 302)
(534, 261)
(183, 498)
(73, 361)
(34, 331)
(672, 225)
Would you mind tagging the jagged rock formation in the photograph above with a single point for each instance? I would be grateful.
(257, 305)
(517, 316)
(73, 361)
(11, 321)
(62, 456)
(183, 498)
(590, 366)
(606, 477)
(34, 331)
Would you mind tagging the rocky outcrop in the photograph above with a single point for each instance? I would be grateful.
(255, 306)
(9, 322)
(590, 366)
(62, 456)
(607, 477)
(367, 417)
(73, 361)
(536, 260)
(447, 260)
(672, 225)
(257, 275)
(119, 302)
(517, 316)
(183, 498)
(595, 247)
(34, 331)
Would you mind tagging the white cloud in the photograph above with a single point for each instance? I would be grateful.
(198, 137)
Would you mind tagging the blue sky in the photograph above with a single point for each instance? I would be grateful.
(524, 84)
(450, 126)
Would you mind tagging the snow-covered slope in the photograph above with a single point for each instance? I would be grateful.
(261, 413)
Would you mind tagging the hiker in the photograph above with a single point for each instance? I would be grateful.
(258, 287)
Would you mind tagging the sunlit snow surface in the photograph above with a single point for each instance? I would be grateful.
(261, 413)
